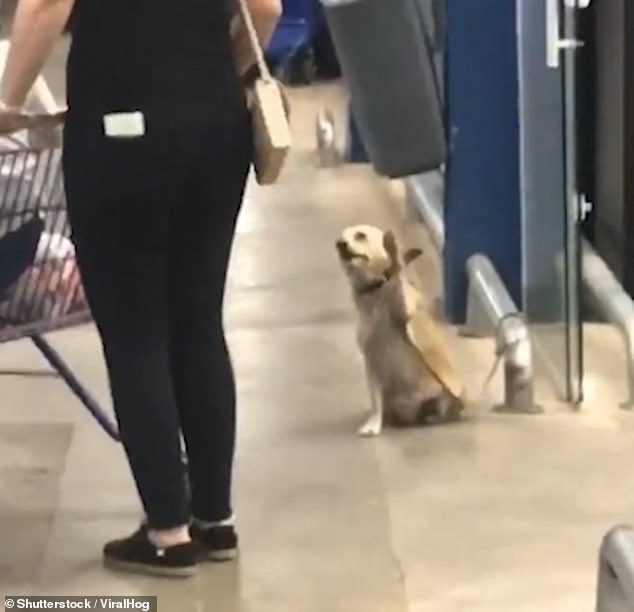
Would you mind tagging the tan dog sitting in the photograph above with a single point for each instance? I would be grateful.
(410, 379)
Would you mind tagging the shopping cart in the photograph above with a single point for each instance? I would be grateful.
(40, 286)
(290, 53)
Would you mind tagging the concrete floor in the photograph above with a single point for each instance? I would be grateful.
(496, 514)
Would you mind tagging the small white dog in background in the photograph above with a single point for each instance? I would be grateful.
(404, 389)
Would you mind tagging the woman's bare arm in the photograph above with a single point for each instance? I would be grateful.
(265, 15)
(36, 27)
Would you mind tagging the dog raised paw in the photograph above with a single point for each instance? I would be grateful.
(372, 427)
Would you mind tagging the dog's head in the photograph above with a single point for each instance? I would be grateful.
(371, 256)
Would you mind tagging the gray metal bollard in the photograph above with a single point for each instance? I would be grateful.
(615, 585)
(388, 65)
(615, 305)
(491, 308)
(326, 136)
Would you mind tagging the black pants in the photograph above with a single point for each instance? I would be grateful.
(153, 220)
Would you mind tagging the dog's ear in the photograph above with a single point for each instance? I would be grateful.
(411, 255)
(391, 248)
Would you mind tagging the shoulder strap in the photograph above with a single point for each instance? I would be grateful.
(265, 73)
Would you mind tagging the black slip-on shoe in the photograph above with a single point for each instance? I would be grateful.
(136, 554)
(218, 543)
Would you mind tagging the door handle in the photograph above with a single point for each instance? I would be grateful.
(554, 44)
(552, 33)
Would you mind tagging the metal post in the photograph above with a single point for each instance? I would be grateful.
(326, 136)
(490, 308)
(609, 297)
(425, 196)
(615, 584)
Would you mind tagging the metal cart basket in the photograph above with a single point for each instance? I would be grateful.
(40, 286)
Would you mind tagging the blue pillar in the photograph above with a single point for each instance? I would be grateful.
(356, 153)
(482, 197)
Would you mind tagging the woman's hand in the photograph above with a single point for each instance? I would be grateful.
(11, 120)
(41, 125)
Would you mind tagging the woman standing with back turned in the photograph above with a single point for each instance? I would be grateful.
(157, 148)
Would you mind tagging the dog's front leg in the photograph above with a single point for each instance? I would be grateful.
(374, 424)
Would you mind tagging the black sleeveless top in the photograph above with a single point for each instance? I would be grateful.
(166, 57)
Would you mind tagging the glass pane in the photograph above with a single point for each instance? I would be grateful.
(547, 153)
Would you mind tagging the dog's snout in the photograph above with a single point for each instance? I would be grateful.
(343, 248)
